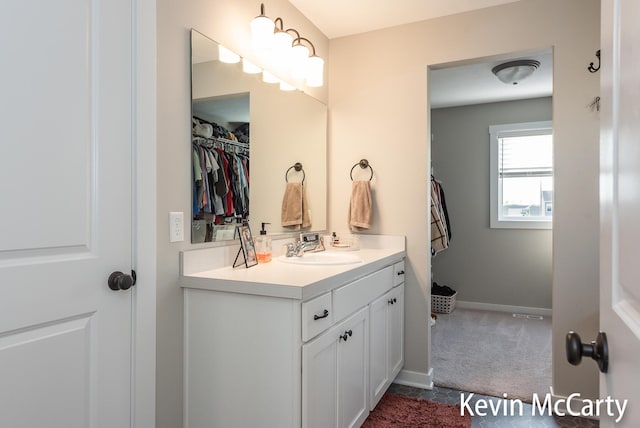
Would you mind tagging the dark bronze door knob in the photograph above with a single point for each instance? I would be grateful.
(121, 281)
(597, 350)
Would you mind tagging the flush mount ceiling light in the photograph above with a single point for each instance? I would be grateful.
(513, 72)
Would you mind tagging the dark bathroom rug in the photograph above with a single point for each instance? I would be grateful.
(394, 411)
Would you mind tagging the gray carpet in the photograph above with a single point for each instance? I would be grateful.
(492, 353)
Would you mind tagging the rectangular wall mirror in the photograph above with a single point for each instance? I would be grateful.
(259, 132)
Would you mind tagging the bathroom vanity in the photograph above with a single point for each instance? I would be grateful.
(292, 344)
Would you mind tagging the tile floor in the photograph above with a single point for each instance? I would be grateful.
(451, 396)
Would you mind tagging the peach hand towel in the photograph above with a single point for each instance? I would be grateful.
(295, 213)
(360, 205)
(306, 216)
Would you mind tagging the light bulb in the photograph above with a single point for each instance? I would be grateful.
(281, 50)
(299, 57)
(268, 77)
(315, 71)
(262, 33)
(227, 56)
(284, 86)
(249, 67)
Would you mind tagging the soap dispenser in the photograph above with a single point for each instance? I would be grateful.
(263, 246)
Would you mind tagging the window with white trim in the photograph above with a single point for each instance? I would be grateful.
(521, 189)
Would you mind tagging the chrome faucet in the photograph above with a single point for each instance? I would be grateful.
(303, 247)
(299, 248)
(307, 242)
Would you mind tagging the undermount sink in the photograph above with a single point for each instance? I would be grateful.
(322, 258)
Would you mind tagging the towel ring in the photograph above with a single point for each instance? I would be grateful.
(363, 164)
(298, 167)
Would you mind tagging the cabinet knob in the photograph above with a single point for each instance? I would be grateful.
(401, 272)
(347, 334)
(319, 317)
(392, 301)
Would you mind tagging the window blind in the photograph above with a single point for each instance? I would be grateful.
(528, 155)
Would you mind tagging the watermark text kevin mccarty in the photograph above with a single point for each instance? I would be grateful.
(573, 405)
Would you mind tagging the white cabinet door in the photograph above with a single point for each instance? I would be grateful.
(335, 375)
(353, 370)
(378, 354)
(386, 342)
(65, 181)
(396, 332)
(320, 381)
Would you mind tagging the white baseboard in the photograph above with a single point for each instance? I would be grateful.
(415, 379)
(504, 308)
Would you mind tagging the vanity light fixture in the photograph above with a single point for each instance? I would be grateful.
(288, 55)
(513, 72)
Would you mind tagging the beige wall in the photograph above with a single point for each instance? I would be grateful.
(378, 110)
(498, 266)
(226, 21)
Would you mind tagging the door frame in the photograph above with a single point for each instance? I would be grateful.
(143, 358)
(487, 59)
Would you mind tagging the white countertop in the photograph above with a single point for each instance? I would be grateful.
(294, 281)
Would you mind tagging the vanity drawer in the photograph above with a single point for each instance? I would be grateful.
(359, 293)
(317, 316)
(398, 273)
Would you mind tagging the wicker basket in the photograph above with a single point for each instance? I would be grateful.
(443, 304)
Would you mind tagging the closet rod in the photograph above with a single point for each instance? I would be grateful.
(222, 140)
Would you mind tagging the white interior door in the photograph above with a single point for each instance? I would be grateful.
(65, 193)
(620, 205)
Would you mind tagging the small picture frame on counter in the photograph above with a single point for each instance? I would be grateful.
(247, 247)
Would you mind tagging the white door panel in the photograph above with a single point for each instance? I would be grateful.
(627, 199)
(49, 365)
(620, 205)
(47, 99)
(65, 181)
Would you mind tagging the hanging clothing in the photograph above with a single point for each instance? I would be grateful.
(220, 175)
(443, 205)
(220, 183)
(440, 224)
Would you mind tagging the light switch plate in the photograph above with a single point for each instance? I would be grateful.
(176, 227)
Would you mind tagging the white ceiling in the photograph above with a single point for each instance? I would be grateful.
(475, 83)
(449, 86)
(337, 18)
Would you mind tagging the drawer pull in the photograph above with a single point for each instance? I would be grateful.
(392, 301)
(319, 317)
(400, 272)
(346, 335)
